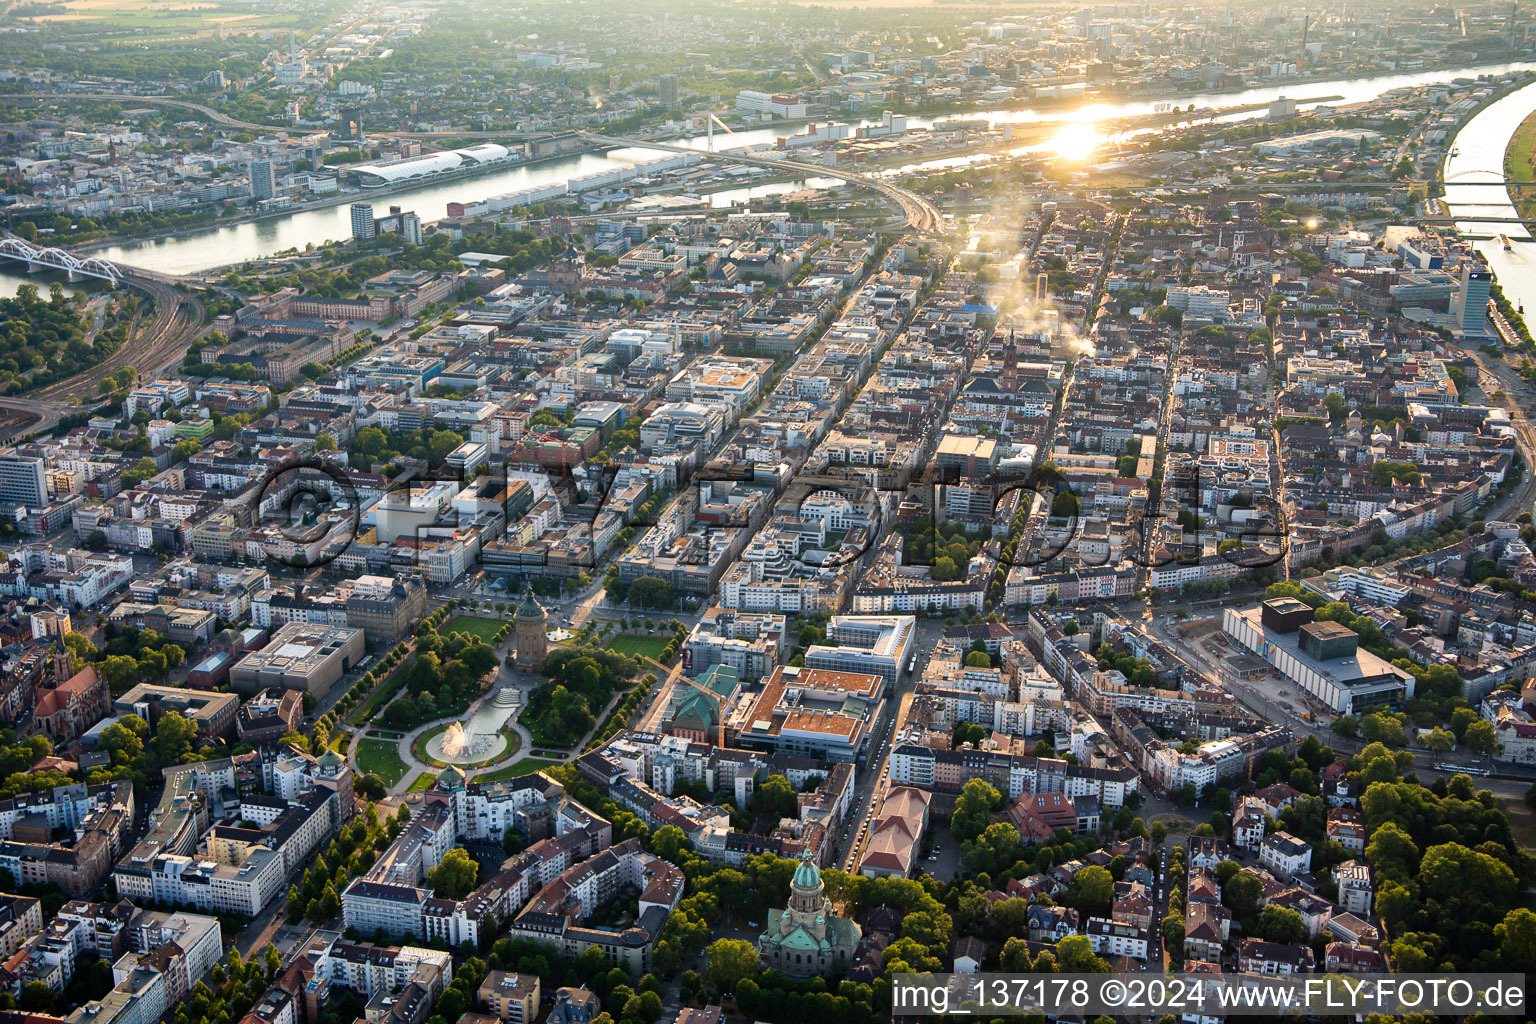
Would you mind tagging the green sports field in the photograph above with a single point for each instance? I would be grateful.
(474, 625)
(628, 643)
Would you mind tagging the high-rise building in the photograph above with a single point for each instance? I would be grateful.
(23, 479)
(1470, 306)
(362, 221)
(410, 228)
(263, 179)
(666, 87)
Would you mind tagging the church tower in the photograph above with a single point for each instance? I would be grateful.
(807, 906)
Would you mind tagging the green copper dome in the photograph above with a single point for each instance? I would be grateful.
(806, 875)
(528, 608)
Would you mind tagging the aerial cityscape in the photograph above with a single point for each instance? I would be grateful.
(562, 512)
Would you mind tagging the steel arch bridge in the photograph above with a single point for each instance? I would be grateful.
(1497, 176)
(1486, 177)
(58, 259)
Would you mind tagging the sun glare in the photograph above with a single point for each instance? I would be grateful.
(1076, 142)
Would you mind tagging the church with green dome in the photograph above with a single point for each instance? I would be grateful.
(806, 938)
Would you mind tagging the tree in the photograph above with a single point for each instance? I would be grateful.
(441, 442)
(1091, 890)
(121, 742)
(975, 803)
(1439, 740)
(174, 738)
(454, 877)
(370, 441)
(120, 671)
(1281, 924)
(978, 659)
(730, 960)
(36, 996)
(1451, 872)
(994, 850)
(272, 960)
(1242, 894)
(652, 592)
(1392, 852)
(1076, 956)
(1517, 938)
(1481, 738)
(776, 798)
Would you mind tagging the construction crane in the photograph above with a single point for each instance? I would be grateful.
(564, 444)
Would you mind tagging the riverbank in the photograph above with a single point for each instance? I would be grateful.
(234, 242)
(328, 202)
(1520, 169)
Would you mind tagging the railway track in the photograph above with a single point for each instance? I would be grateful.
(176, 322)
(920, 215)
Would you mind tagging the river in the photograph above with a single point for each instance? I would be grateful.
(1472, 190)
(194, 251)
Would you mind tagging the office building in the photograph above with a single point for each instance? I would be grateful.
(362, 221)
(814, 712)
(666, 89)
(23, 480)
(213, 713)
(1470, 306)
(876, 644)
(410, 228)
(263, 179)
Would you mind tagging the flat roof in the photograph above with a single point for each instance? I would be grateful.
(1357, 669)
(1327, 630)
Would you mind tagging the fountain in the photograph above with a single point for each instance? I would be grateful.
(478, 738)
(454, 741)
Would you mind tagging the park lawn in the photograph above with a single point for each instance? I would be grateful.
(382, 758)
(386, 692)
(516, 768)
(1520, 164)
(474, 625)
(424, 782)
(646, 646)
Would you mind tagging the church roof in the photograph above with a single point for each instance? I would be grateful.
(800, 939)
